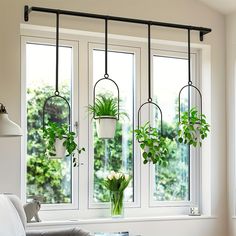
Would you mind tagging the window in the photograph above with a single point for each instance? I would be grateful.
(114, 154)
(170, 74)
(51, 179)
(81, 65)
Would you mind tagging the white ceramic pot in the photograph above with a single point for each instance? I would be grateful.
(60, 149)
(106, 126)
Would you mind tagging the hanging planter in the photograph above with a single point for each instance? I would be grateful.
(60, 142)
(193, 128)
(154, 147)
(59, 139)
(105, 111)
(192, 125)
(105, 108)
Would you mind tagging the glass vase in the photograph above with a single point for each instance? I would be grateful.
(117, 204)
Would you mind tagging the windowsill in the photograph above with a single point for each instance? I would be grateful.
(121, 220)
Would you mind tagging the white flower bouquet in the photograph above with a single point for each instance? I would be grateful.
(117, 182)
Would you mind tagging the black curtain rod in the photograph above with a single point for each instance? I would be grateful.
(27, 10)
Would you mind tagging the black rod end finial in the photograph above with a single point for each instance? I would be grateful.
(26, 13)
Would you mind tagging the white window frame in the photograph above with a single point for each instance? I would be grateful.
(82, 40)
(74, 114)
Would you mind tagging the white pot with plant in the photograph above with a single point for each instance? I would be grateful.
(193, 128)
(105, 112)
(154, 147)
(60, 141)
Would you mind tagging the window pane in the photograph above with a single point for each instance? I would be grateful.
(48, 178)
(169, 76)
(114, 154)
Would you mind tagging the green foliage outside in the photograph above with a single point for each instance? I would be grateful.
(172, 181)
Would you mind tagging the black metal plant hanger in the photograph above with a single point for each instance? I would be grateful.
(106, 76)
(202, 31)
(28, 10)
(149, 101)
(190, 83)
(57, 93)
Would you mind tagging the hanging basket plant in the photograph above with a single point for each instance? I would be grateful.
(105, 111)
(60, 142)
(154, 146)
(193, 128)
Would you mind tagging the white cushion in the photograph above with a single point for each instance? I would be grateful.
(10, 223)
(19, 207)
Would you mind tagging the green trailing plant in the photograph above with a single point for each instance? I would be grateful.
(61, 131)
(193, 127)
(105, 105)
(154, 146)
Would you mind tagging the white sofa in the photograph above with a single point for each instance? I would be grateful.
(13, 221)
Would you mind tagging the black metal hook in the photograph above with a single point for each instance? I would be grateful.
(106, 76)
(150, 102)
(56, 93)
(190, 83)
(149, 63)
(106, 50)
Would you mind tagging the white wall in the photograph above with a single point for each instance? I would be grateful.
(177, 11)
(231, 75)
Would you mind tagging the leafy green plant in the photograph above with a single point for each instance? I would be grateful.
(193, 127)
(154, 146)
(61, 131)
(105, 105)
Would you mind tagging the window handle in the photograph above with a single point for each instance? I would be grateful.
(76, 125)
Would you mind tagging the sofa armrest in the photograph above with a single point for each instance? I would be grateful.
(58, 232)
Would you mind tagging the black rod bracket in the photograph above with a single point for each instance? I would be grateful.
(201, 35)
(26, 13)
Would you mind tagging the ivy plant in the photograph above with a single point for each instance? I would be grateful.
(55, 130)
(193, 127)
(154, 146)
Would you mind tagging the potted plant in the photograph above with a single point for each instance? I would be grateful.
(116, 183)
(60, 142)
(154, 146)
(105, 111)
(193, 127)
